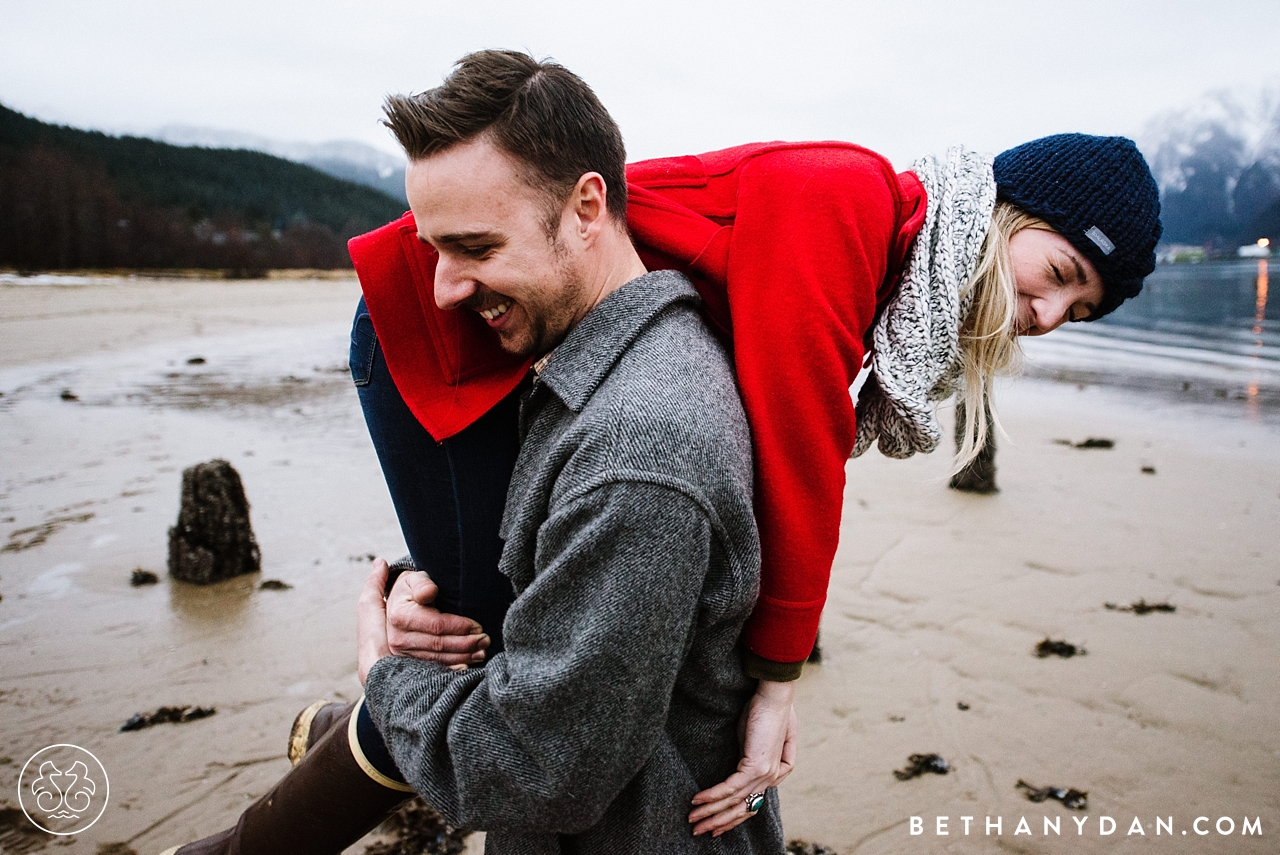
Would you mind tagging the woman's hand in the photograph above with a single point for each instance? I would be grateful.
(769, 754)
(418, 629)
(371, 621)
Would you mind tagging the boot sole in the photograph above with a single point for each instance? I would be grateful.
(300, 733)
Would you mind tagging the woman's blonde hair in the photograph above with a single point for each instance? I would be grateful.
(988, 337)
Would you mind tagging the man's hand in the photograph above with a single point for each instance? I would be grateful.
(769, 754)
(416, 628)
(371, 621)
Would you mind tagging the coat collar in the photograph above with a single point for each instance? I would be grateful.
(579, 363)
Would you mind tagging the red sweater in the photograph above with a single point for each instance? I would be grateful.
(793, 247)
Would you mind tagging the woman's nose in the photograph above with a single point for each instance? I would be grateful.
(1050, 312)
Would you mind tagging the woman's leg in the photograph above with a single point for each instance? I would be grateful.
(448, 495)
(326, 802)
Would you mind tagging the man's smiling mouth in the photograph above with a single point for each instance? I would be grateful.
(497, 311)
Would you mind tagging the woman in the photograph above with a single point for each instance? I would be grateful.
(808, 257)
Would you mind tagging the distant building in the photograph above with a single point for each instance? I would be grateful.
(1261, 249)
(1181, 253)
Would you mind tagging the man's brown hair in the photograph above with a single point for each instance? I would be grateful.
(540, 113)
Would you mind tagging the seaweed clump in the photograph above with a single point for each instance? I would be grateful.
(804, 847)
(142, 577)
(1066, 650)
(918, 764)
(167, 715)
(1142, 607)
(416, 829)
(1072, 799)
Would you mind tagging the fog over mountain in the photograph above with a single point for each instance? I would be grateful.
(1217, 161)
(346, 159)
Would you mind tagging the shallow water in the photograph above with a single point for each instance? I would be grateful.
(1200, 333)
(1223, 306)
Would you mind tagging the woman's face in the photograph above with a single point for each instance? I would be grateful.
(1056, 283)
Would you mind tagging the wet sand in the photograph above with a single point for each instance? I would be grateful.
(937, 598)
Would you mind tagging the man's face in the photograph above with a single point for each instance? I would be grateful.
(496, 257)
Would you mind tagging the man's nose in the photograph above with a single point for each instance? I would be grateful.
(452, 286)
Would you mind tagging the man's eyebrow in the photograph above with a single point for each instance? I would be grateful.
(460, 237)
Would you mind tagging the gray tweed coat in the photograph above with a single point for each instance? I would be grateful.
(633, 551)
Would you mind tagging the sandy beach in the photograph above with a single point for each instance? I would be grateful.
(111, 386)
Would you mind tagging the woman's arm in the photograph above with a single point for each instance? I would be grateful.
(768, 755)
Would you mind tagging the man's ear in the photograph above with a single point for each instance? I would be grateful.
(588, 203)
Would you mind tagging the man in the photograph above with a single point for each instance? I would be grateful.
(628, 531)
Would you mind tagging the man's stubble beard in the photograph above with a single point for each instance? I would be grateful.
(548, 325)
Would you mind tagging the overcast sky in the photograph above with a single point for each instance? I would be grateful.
(905, 78)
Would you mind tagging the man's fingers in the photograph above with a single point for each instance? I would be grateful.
(424, 632)
(400, 589)
(371, 621)
(418, 642)
(422, 590)
(374, 585)
(378, 573)
(452, 660)
(411, 617)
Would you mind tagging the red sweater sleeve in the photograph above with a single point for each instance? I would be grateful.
(812, 238)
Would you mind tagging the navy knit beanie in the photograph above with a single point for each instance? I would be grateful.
(1096, 192)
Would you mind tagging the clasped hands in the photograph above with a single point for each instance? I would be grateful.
(405, 623)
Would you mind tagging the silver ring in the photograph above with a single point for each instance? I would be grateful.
(755, 801)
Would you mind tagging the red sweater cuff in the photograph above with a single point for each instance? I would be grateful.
(783, 631)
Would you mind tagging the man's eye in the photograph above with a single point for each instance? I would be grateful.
(476, 251)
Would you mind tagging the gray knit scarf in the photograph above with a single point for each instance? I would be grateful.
(916, 344)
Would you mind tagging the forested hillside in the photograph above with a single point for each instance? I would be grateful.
(81, 199)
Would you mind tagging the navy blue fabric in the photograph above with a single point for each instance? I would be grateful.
(449, 495)
(375, 750)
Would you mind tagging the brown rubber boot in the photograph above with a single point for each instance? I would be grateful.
(311, 724)
(323, 805)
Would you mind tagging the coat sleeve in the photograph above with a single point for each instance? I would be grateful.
(810, 247)
(545, 736)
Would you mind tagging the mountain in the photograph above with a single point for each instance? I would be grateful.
(1217, 162)
(345, 159)
(82, 199)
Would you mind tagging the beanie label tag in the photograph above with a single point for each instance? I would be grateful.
(1104, 243)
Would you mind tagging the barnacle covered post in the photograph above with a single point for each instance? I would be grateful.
(212, 539)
